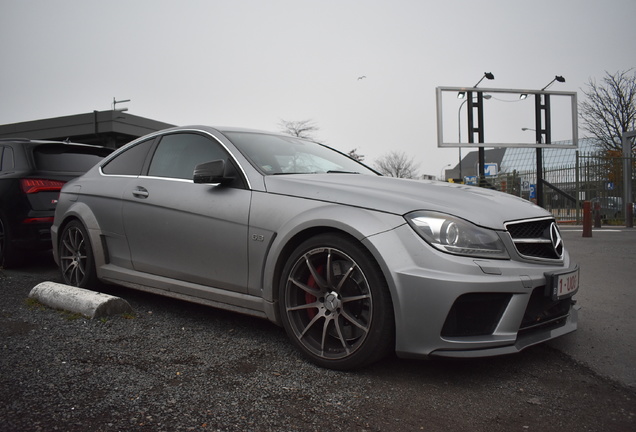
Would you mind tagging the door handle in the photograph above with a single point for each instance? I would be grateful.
(140, 192)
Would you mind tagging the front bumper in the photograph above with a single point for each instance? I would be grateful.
(454, 306)
(524, 340)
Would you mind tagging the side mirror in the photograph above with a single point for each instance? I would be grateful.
(211, 172)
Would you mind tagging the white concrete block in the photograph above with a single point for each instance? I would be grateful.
(78, 300)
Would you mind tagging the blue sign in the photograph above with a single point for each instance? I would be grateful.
(470, 180)
(533, 191)
(490, 169)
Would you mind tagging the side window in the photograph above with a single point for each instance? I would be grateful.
(6, 159)
(130, 162)
(178, 154)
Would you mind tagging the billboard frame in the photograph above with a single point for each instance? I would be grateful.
(540, 101)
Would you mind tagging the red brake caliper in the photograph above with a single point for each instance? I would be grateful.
(311, 283)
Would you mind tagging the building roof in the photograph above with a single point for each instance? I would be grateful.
(111, 128)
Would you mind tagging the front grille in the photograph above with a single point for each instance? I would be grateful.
(544, 312)
(536, 239)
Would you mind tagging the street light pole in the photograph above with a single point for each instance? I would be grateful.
(542, 109)
(472, 105)
(441, 173)
(480, 125)
(627, 138)
(459, 128)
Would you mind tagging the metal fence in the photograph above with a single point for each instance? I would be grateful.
(594, 177)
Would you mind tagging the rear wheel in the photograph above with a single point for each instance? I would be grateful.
(77, 264)
(335, 305)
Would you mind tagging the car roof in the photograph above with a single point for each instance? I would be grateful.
(223, 129)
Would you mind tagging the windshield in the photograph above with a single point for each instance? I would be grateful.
(276, 154)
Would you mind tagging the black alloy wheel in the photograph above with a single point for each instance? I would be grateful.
(77, 264)
(335, 304)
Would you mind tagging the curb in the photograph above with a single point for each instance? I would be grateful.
(78, 300)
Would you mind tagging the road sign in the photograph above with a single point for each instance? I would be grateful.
(490, 170)
(533, 191)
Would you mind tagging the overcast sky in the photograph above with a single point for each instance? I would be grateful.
(252, 63)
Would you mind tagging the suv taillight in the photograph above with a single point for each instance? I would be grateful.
(31, 186)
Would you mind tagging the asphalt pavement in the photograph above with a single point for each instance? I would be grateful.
(606, 337)
(177, 366)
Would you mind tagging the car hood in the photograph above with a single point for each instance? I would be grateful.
(481, 206)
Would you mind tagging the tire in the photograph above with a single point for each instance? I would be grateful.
(10, 256)
(77, 264)
(335, 304)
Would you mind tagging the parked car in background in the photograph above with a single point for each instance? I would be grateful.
(352, 264)
(31, 176)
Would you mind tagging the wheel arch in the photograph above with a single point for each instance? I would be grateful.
(298, 238)
(81, 213)
(381, 329)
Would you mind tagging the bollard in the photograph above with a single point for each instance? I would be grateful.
(597, 215)
(629, 215)
(587, 219)
(78, 300)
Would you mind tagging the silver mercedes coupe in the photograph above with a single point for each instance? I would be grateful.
(353, 265)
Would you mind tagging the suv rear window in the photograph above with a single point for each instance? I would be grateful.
(67, 158)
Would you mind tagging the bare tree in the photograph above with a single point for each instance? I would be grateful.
(353, 154)
(397, 164)
(299, 128)
(610, 108)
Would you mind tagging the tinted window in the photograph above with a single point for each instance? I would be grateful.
(178, 154)
(129, 162)
(67, 158)
(8, 161)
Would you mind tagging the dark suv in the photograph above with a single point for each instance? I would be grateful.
(31, 176)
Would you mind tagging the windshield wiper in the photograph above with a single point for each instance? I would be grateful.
(341, 172)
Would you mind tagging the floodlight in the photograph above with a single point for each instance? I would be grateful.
(487, 75)
(558, 78)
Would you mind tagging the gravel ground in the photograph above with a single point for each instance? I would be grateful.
(176, 366)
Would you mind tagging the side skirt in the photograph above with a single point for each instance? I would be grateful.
(217, 298)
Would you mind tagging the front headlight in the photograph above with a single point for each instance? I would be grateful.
(456, 236)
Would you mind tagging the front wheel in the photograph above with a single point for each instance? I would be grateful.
(77, 264)
(335, 304)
